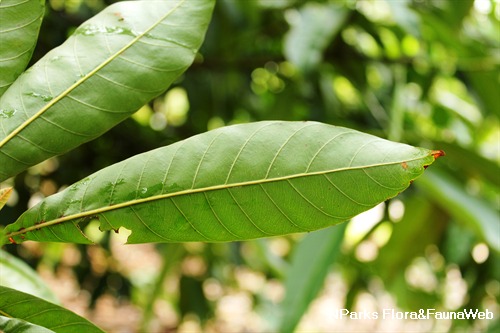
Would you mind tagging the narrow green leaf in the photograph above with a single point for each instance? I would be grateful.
(112, 65)
(471, 211)
(20, 326)
(311, 261)
(16, 304)
(16, 274)
(20, 21)
(234, 183)
(4, 196)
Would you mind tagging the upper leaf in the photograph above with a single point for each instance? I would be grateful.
(234, 183)
(20, 22)
(112, 65)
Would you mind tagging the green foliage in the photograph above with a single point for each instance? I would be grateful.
(68, 83)
(423, 73)
(242, 180)
(21, 22)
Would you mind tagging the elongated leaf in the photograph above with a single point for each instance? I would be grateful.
(15, 273)
(311, 261)
(20, 22)
(234, 183)
(112, 65)
(16, 304)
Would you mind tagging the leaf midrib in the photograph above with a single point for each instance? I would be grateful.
(87, 76)
(134, 202)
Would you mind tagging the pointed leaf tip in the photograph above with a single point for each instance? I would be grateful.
(438, 153)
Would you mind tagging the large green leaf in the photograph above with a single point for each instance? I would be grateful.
(20, 22)
(112, 65)
(16, 304)
(234, 183)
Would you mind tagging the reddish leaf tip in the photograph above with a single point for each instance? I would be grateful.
(437, 153)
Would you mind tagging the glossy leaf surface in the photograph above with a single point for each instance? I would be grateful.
(111, 66)
(20, 22)
(235, 183)
(16, 304)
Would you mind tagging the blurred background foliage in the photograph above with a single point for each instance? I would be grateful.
(421, 72)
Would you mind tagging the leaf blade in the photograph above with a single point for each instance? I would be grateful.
(112, 65)
(246, 181)
(19, 27)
